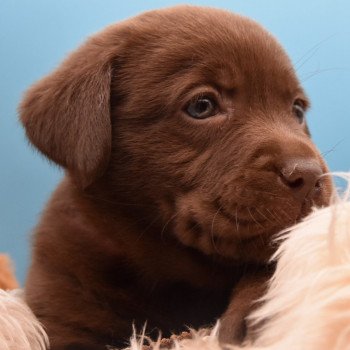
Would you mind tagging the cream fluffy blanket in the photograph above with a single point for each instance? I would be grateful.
(307, 306)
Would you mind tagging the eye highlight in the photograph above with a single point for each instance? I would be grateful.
(299, 110)
(202, 107)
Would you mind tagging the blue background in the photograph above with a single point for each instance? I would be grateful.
(35, 35)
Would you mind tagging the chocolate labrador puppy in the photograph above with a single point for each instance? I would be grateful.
(183, 135)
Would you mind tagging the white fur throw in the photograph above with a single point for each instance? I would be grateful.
(19, 329)
(307, 306)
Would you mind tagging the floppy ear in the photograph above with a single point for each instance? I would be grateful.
(66, 115)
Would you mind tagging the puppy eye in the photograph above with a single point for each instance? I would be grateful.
(299, 111)
(202, 107)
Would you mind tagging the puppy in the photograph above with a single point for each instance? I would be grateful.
(183, 135)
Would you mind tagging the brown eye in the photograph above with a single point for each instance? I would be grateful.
(201, 108)
(299, 111)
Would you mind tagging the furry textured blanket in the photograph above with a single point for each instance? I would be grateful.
(307, 306)
(19, 329)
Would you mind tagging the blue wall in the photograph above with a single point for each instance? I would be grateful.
(36, 34)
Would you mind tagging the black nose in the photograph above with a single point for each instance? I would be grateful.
(301, 176)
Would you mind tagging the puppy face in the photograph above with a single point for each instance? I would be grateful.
(193, 114)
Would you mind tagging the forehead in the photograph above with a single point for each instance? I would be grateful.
(209, 46)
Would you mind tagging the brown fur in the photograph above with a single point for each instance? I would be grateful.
(158, 212)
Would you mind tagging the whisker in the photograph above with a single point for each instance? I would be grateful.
(251, 215)
(269, 193)
(278, 216)
(147, 228)
(212, 230)
(237, 223)
(307, 58)
(273, 216)
(264, 216)
(324, 154)
(285, 214)
(319, 71)
(118, 203)
(167, 224)
(310, 53)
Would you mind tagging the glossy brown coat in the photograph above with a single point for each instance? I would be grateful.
(160, 214)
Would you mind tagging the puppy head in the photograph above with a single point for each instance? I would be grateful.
(195, 112)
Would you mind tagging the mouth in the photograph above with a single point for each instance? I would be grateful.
(242, 221)
(227, 236)
(228, 246)
(256, 220)
(223, 229)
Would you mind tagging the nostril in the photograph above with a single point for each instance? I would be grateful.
(293, 182)
(296, 183)
(301, 176)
